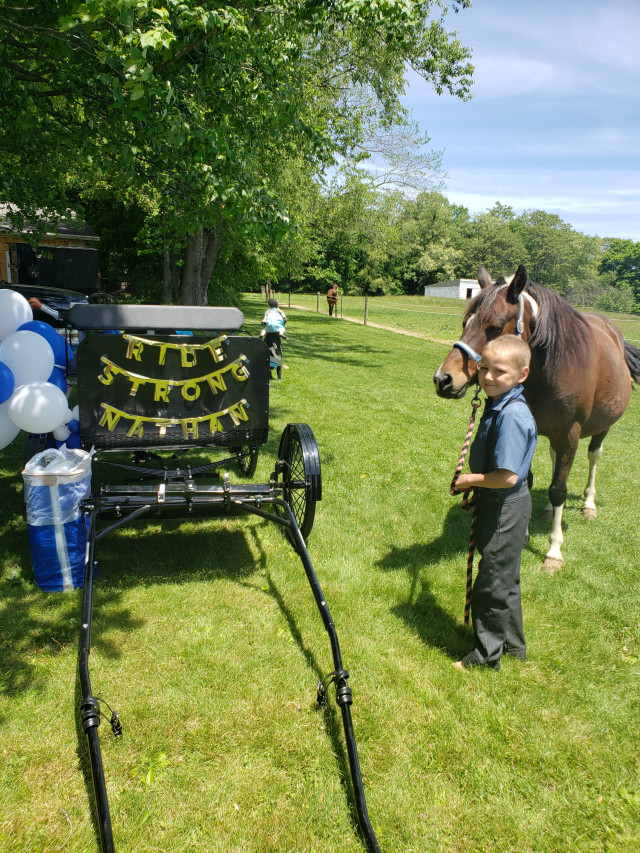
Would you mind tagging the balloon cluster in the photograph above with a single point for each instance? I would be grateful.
(33, 385)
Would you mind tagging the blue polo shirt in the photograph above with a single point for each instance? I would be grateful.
(506, 436)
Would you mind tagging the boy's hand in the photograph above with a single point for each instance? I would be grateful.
(462, 484)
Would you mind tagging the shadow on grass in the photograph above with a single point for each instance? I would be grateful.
(434, 624)
(36, 624)
(431, 622)
(227, 554)
(309, 336)
(329, 711)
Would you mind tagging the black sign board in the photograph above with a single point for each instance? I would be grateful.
(137, 391)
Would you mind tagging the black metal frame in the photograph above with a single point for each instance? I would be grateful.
(288, 499)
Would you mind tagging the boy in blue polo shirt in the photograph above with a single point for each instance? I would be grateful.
(499, 461)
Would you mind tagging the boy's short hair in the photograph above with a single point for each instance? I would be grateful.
(511, 347)
(273, 303)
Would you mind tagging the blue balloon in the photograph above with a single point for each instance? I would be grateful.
(73, 425)
(74, 440)
(7, 382)
(58, 379)
(55, 341)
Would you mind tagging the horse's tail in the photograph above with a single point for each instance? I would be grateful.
(632, 357)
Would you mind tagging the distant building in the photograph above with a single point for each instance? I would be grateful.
(459, 288)
(67, 259)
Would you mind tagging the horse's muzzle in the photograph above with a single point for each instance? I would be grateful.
(445, 386)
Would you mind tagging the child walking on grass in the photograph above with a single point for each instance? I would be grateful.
(273, 324)
(499, 461)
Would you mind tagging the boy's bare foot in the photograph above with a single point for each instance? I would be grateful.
(459, 666)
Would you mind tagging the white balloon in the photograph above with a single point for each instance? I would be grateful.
(14, 311)
(61, 433)
(75, 413)
(28, 355)
(8, 430)
(37, 407)
(69, 416)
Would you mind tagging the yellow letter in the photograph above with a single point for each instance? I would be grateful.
(134, 350)
(161, 391)
(107, 374)
(110, 417)
(191, 391)
(189, 428)
(188, 357)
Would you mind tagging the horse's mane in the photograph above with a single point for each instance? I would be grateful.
(560, 333)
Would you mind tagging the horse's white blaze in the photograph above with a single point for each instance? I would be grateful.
(590, 491)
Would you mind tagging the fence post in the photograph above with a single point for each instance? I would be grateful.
(366, 309)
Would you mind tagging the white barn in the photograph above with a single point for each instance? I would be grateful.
(459, 288)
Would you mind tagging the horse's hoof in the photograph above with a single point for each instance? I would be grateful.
(589, 512)
(547, 515)
(552, 565)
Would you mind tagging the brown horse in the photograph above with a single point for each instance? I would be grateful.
(580, 379)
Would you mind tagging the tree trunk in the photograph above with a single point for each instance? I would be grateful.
(199, 261)
(176, 277)
(166, 270)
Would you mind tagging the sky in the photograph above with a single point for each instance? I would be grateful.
(554, 123)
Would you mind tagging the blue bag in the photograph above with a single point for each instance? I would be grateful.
(55, 482)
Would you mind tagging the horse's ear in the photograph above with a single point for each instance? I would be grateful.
(484, 279)
(518, 284)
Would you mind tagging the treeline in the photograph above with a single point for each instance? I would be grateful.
(216, 147)
(376, 242)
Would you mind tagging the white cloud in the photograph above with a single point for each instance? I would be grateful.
(592, 202)
(554, 123)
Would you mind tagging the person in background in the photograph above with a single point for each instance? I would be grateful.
(273, 324)
(332, 299)
(37, 305)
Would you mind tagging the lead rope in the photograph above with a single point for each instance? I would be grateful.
(468, 502)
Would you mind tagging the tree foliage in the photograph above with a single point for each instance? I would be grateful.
(621, 259)
(197, 106)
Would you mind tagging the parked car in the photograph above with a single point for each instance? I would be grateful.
(53, 297)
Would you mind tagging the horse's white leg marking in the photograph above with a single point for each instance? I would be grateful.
(589, 509)
(547, 512)
(553, 558)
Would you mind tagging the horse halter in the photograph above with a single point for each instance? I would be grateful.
(465, 347)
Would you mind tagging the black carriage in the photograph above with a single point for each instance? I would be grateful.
(149, 397)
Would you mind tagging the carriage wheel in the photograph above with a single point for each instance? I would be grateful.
(247, 459)
(299, 463)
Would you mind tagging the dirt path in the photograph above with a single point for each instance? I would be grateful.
(379, 326)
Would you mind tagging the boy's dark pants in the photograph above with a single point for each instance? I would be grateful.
(496, 613)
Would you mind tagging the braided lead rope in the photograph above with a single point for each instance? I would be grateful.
(470, 555)
(468, 502)
(465, 445)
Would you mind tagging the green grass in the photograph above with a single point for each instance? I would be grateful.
(436, 318)
(207, 641)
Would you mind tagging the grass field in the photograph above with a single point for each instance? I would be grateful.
(207, 640)
(435, 317)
